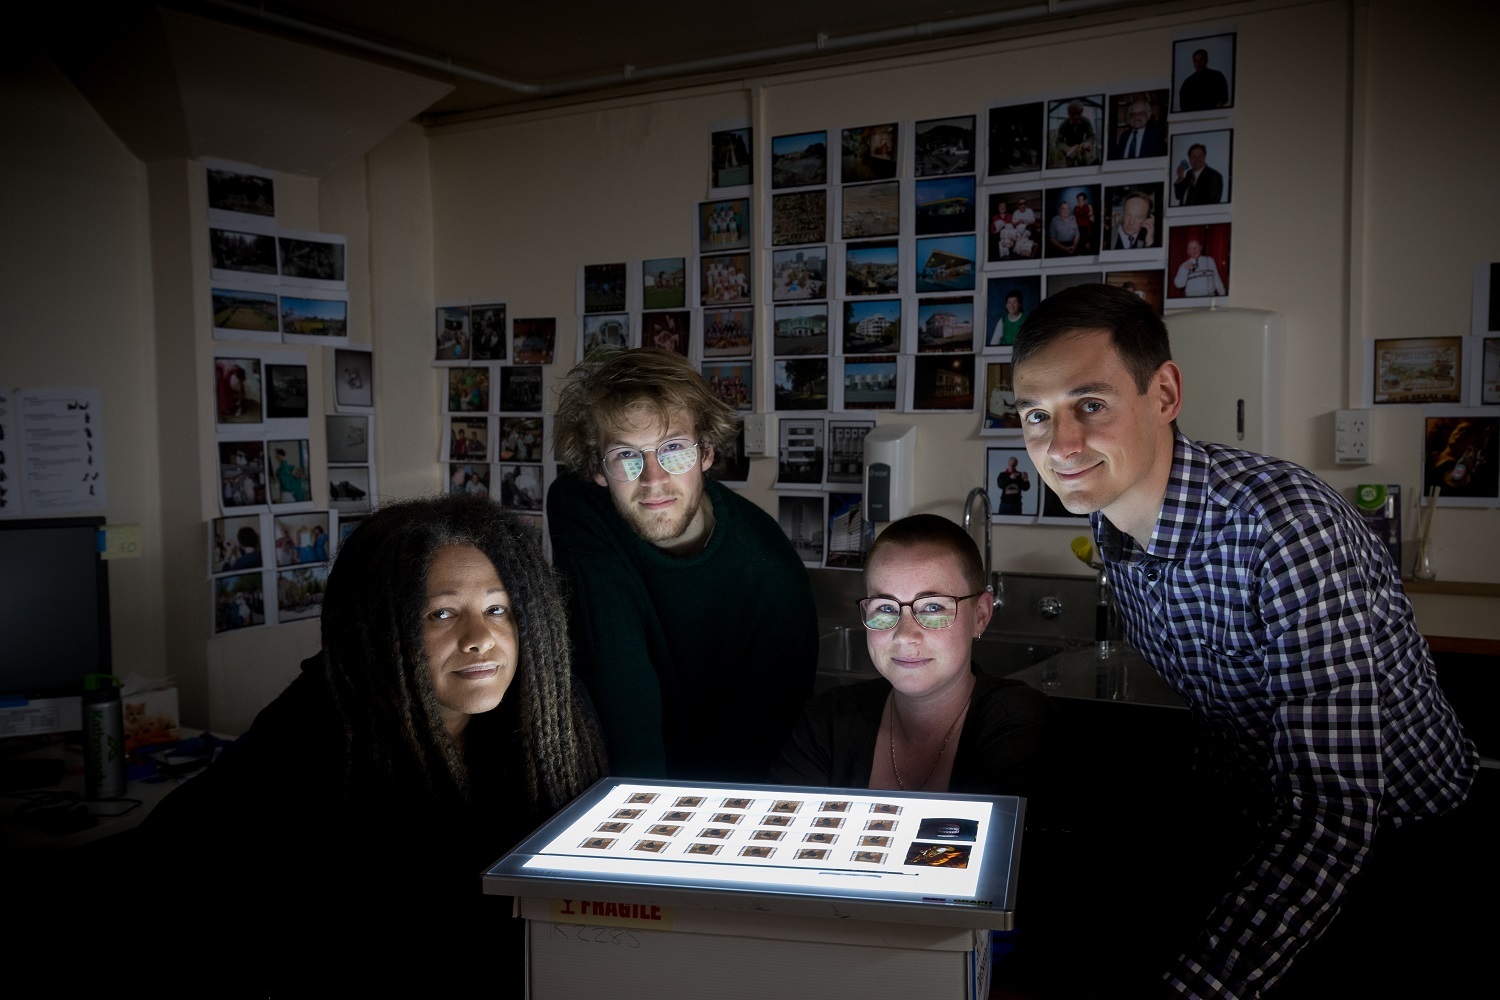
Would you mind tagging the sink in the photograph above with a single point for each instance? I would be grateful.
(1001, 655)
(842, 652)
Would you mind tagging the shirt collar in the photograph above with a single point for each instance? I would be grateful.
(1182, 510)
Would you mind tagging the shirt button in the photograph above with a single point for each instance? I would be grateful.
(1153, 574)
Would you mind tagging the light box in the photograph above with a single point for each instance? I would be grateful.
(948, 859)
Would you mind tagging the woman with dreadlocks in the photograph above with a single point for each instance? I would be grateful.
(438, 726)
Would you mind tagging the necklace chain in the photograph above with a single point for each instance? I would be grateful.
(896, 722)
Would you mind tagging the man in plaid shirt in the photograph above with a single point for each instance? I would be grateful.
(1263, 600)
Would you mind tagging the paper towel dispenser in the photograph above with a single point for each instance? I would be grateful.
(890, 472)
(1231, 361)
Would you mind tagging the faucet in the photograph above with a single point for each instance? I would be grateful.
(996, 583)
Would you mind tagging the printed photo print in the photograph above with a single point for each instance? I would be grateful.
(799, 160)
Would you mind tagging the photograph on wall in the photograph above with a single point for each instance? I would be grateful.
(521, 486)
(1000, 415)
(1485, 317)
(534, 340)
(799, 329)
(664, 283)
(869, 210)
(944, 205)
(871, 383)
(469, 477)
(868, 153)
(800, 383)
(235, 544)
(521, 389)
(604, 288)
(315, 259)
(799, 217)
(849, 534)
(728, 333)
(871, 327)
(945, 325)
(238, 390)
(1487, 357)
(286, 391)
(943, 146)
(521, 439)
(468, 440)
(1075, 127)
(730, 165)
(314, 321)
(1008, 300)
(943, 382)
(1053, 511)
(801, 518)
(733, 383)
(353, 379)
(287, 460)
(242, 314)
(1461, 457)
(724, 279)
(1014, 486)
(945, 263)
(299, 593)
(668, 331)
(1203, 74)
(1147, 284)
(301, 538)
(872, 268)
(1014, 230)
(846, 451)
(605, 332)
(1198, 260)
(1202, 168)
(454, 343)
(348, 438)
(350, 489)
(1015, 138)
(487, 327)
(1138, 125)
(801, 273)
(1072, 221)
(469, 389)
(240, 189)
(238, 602)
(239, 253)
(1058, 280)
(799, 160)
(731, 465)
(799, 451)
(1132, 220)
(242, 474)
(724, 225)
(1419, 370)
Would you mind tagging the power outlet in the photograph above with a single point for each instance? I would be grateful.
(1351, 437)
(758, 429)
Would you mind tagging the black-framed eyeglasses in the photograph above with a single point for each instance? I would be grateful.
(625, 465)
(881, 614)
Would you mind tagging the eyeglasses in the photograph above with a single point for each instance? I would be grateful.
(625, 465)
(881, 614)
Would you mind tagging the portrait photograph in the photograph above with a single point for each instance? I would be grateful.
(664, 283)
(667, 330)
(521, 389)
(469, 389)
(287, 462)
(1014, 229)
(1008, 300)
(945, 325)
(241, 190)
(242, 252)
(943, 146)
(1075, 132)
(1419, 370)
(1198, 260)
(799, 217)
(521, 486)
(452, 335)
(872, 327)
(487, 327)
(731, 462)
(799, 274)
(868, 153)
(800, 383)
(468, 440)
(306, 317)
(286, 392)
(609, 332)
(1133, 218)
(469, 477)
(1201, 167)
(871, 383)
(872, 268)
(1138, 125)
(604, 288)
(943, 382)
(242, 474)
(1058, 280)
(235, 544)
(353, 378)
(733, 383)
(520, 439)
(349, 489)
(1203, 73)
(301, 538)
(311, 257)
(535, 340)
(238, 602)
(1148, 284)
(1015, 138)
(1000, 415)
(724, 225)
(1014, 486)
(724, 279)
(869, 210)
(846, 451)
(241, 311)
(799, 329)
(799, 160)
(729, 158)
(945, 263)
(849, 534)
(1073, 221)
(801, 518)
(1462, 458)
(348, 438)
(945, 205)
(238, 389)
(728, 333)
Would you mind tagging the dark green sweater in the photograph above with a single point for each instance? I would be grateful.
(698, 665)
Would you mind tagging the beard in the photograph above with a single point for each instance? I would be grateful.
(663, 526)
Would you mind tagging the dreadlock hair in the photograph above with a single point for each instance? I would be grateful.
(932, 529)
(607, 385)
(1138, 334)
(376, 670)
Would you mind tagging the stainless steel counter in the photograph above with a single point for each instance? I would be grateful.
(1081, 673)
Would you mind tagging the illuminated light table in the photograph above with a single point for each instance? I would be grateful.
(654, 888)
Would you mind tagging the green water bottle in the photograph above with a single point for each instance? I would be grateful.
(103, 738)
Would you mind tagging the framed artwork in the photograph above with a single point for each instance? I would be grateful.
(1461, 456)
(1419, 370)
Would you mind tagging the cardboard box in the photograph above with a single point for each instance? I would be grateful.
(150, 718)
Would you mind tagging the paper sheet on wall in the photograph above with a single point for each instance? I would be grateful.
(53, 452)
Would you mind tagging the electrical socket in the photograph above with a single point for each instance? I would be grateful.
(1351, 437)
(758, 429)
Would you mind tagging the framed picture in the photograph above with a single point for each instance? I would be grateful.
(872, 327)
(520, 439)
(469, 389)
(871, 383)
(1133, 220)
(872, 268)
(1015, 488)
(799, 160)
(301, 538)
(1419, 370)
(239, 253)
(468, 440)
(1072, 221)
(239, 602)
(469, 477)
(1015, 138)
(733, 383)
(1203, 74)
(521, 389)
(1461, 457)
(945, 263)
(943, 146)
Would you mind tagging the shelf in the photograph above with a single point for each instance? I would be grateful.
(1452, 588)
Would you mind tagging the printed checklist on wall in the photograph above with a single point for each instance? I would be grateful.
(51, 452)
